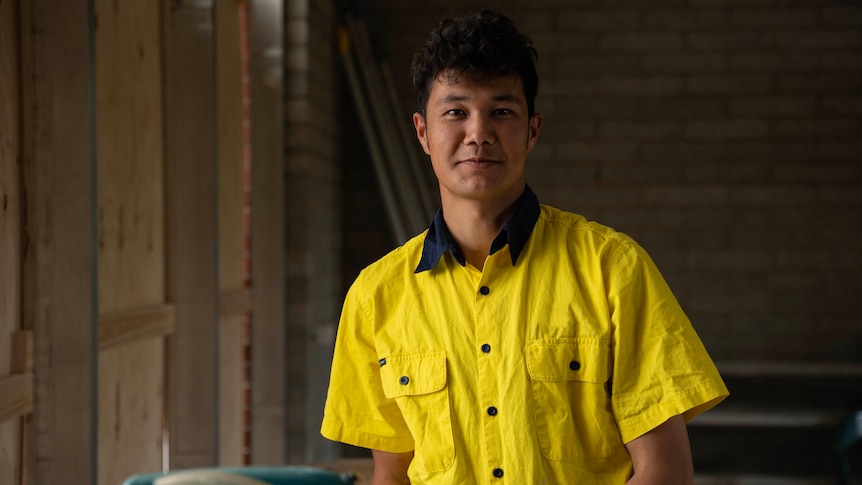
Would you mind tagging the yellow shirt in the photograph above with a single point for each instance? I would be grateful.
(527, 373)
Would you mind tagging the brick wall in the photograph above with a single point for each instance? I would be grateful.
(725, 136)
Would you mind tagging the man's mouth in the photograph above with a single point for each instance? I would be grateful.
(478, 162)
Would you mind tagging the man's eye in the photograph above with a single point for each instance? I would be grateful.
(502, 111)
(455, 112)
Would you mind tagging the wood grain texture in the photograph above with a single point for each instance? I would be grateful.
(131, 248)
(128, 326)
(59, 265)
(130, 155)
(131, 402)
(10, 227)
(22, 351)
(16, 396)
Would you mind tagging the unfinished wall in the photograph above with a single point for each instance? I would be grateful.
(108, 173)
(723, 135)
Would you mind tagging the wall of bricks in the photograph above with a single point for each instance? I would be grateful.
(724, 135)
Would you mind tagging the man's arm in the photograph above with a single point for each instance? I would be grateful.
(391, 468)
(662, 455)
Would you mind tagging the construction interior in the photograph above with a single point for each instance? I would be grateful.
(189, 186)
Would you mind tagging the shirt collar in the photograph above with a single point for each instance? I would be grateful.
(516, 231)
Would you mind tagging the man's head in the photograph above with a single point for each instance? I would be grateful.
(481, 47)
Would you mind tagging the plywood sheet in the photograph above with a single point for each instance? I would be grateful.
(131, 401)
(130, 173)
(130, 160)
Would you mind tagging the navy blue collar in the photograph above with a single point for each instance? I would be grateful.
(515, 233)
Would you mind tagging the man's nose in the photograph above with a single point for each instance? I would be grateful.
(480, 131)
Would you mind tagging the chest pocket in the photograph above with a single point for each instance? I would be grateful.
(417, 383)
(571, 402)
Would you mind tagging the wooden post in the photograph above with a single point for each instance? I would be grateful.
(269, 416)
(190, 166)
(59, 261)
(10, 229)
(233, 302)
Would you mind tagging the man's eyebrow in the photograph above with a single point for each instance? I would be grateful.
(506, 97)
(454, 98)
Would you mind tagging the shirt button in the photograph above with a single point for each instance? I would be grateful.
(484, 290)
(574, 365)
(486, 348)
(498, 472)
(404, 380)
(492, 411)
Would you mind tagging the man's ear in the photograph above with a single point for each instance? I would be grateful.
(535, 128)
(421, 131)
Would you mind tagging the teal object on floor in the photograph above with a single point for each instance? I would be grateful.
(849, 433)
(270, 475)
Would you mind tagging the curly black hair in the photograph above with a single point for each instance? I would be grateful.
(482, 46)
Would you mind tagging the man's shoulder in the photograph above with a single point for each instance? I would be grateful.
(574, 226)
(397, 263)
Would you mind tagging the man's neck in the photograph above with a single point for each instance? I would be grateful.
(474, 225)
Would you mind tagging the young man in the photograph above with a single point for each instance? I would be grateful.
(511, 342)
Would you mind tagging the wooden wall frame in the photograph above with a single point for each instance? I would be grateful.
(59, 167)
(268, 234)
(192, 235)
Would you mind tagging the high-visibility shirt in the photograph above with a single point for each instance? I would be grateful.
(537, 369)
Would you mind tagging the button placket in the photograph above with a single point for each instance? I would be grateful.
(487, 327)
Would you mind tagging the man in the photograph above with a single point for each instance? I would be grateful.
(511, 342)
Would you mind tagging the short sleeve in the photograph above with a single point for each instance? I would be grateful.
(356, 411)
(660, 366)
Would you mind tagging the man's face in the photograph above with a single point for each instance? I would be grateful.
(478, 136)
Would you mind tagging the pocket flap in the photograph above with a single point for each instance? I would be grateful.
(413, 374)
(568, 359)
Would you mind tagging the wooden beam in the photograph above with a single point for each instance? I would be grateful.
(22, 351)
(10, 223)
(269, 308)
(16, 396)
(133, 325)
(235, 302)
(59, 261)
(192, 233)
